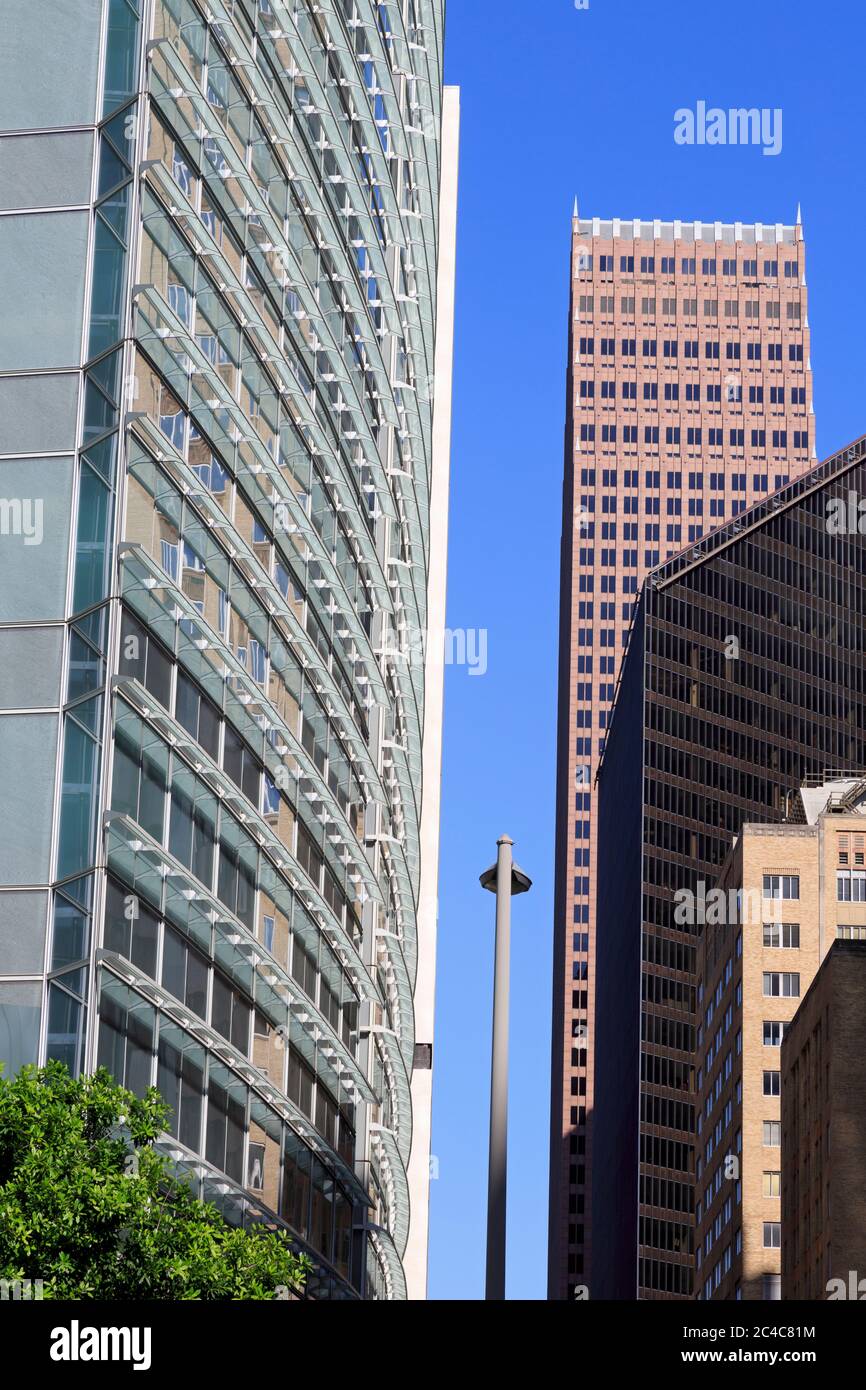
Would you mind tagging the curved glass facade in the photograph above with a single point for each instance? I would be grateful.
(237, 843)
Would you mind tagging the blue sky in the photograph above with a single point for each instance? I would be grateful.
(559, 102)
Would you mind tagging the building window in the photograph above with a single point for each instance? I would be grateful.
(772, 1235)
(782, 934)
(781, 886)
(851, 886)
(772, 1083)
(772, 1134)
(783, 983)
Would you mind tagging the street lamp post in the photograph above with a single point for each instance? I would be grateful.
(504, 879)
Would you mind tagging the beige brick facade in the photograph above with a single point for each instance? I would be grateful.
(753, 974)
(824, 1132)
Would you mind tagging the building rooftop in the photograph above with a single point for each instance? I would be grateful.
(654, 229)
(836, 796)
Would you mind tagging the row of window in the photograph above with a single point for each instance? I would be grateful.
(652, 506)
(688, 265)
(688, 307)
(781, 886)
(694, 435)
(719, 481)
(731, 308)
(851, 886)
(691, 349)
(783, 935)
(713, 392)
(628, 559)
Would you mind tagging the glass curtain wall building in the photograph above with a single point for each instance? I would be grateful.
(745, 678)
(226, 254)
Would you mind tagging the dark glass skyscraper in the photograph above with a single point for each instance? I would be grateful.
(745, 674)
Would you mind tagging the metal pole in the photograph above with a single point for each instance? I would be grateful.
(497, 1174)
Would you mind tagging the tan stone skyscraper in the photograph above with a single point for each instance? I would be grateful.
(689, 398)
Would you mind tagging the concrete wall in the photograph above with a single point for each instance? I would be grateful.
(415, 1258)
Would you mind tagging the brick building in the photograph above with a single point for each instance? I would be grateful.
(823, 1065)
(788, 891)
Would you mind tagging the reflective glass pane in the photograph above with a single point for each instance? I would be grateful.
(20, 1015)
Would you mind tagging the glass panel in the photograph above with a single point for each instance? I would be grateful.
(28, 750)
(196, 984)
(295, 1208)
(126, 1034)
(100, 415)
(115, 210)
(66, 1029)
(30, 667)
(35, 537)
(102, 456)
(225, 1122)
(78, 800)
(158, 678)
(221, 1006)
(89, 713)
(121, 131)
(94, 628)
(109, 265)
(63, 91)
(263, 1159)
(180, 1079)
(121, 58)
(322, 1218)
(38, 412)
(173, 963)
(133, 648)
(145, 935)
(106, 373)
(22, 933)
(112, 169)
(86, 668)
(20, 1015)
(92, 549)
(48, 253)
(71, 941)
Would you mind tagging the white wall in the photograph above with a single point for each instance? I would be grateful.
(415, 1259)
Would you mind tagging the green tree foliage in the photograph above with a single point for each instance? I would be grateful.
(88, 1206)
